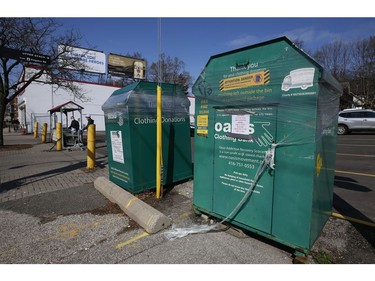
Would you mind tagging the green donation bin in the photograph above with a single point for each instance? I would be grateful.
(266, 123)
(130, 123)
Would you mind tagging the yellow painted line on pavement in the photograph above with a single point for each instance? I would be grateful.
(344, 144)
(354, 173)
(10, 250)
(185, 215)
(353, 219)
(369, 139)
(74, 231)
(65, 232)
(356, 155)
(143, 234)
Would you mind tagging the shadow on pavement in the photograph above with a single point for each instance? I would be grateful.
(345, 209)
(349, 184)
(76, 200)
(42, 176)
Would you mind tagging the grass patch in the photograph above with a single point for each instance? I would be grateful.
(323, 257)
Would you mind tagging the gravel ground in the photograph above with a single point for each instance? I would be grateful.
(343, 242)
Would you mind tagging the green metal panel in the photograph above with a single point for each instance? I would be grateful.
(290, 103)
(325, 161)
(130, 119)
(119, 151)
(236, 162)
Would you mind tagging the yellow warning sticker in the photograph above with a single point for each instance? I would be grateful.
(202, 120)
(202, 124)
(244, 81)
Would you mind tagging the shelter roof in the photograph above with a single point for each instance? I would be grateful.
(66, 107)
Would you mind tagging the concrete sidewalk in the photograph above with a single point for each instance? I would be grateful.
(48, 201)
(51, 213)
(41, 169)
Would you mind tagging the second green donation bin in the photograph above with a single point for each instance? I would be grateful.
(266, 124)
(130, 121)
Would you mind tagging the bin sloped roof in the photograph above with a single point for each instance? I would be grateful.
(127, 88)
(325, 75)
(66, 107)
(141, 97)
(148, 87)
(283, 38)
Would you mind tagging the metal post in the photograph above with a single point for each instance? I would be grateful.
(91, 146)
(44, 133)
(35, 130)
(159, 164)
(58, 136)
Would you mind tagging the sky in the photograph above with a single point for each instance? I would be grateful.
(194, 40)
(195, 30)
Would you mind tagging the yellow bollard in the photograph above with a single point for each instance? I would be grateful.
(159, 144)
(35, 130)
(59, 136)
(91, 146)
(44, 133)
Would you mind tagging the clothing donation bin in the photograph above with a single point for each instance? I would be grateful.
(265, 142)
(130, 123)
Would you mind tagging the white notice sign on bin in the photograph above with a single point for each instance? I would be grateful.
(240, 124)
(117, 149)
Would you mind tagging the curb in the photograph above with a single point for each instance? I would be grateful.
(146, 216)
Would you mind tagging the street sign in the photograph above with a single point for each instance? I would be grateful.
(24, 56)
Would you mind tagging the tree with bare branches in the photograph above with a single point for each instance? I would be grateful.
(36, 36)
(353, 64)
(170, 70)
(363, 82)
(335, 56)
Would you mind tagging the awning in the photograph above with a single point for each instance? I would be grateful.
(66, 107)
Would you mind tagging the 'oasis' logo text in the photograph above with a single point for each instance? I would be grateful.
(227, 128)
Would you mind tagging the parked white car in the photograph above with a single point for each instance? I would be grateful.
(355, 120)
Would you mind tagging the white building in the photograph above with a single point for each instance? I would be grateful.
(38, 98)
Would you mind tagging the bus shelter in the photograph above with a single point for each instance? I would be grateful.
(63, 113)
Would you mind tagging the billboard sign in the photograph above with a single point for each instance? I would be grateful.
(126, 66)
(90, 60)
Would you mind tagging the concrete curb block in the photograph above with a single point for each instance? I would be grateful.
(146, 216)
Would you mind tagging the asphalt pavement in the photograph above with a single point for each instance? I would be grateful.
(52, 214)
